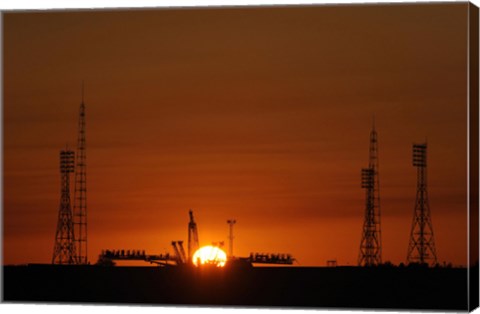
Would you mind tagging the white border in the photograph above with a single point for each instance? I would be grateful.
(86, 4)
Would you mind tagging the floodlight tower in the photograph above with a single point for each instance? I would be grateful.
(80, 195)
(64, 248)
(421, 248)
(371, 243)
(231, 222)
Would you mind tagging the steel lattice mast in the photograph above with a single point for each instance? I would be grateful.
(421, 248)
(371, 243)
(80, 195)
(64, 248)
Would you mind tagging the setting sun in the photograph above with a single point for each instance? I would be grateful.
(209, 255)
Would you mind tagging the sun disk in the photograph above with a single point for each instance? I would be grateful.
(209, 255)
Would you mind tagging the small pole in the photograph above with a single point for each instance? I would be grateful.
(231, 222)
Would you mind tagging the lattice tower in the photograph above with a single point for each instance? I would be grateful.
(371, 243)
(80, 195)
(421, 248)
(64, 247)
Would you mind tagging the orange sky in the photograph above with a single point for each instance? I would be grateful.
(262, 115)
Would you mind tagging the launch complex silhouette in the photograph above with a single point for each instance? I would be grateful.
(71, 243)
(253, 116)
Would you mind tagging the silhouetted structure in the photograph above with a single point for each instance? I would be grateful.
(371, 244)
(332, 263)
(178, 257)
(421, 248)
(193, 244)
(64, 247)
(230, 223)
(80, 195)
(179, 252)
(137, 255)
(269, 258)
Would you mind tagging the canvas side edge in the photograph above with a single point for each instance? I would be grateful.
(473, 155)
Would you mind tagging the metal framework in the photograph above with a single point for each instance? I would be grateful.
(173, 259)
(64, 247)
(193, 243)
(230, 223)
(421, 248)
(80, 194)
(179, 252)
(371, 243)
(138, 255)
(268, 258)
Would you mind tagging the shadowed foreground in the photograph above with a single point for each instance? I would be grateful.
(340, 287)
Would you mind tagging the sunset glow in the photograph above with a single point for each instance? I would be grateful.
(209, 255)
(257, 114)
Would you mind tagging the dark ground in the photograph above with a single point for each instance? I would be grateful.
(340, 287)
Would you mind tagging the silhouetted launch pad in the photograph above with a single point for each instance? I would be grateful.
(179, 257)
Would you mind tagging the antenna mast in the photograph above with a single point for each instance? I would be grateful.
(371, 244)
(80, 195)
